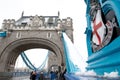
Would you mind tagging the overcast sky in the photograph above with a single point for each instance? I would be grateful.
(12, 9)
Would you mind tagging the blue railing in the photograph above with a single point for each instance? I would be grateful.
(3, 34)
(106, 57)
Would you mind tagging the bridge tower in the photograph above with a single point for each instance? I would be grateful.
(31, 32)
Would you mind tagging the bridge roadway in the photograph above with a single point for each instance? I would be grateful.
(21, 78)
(14, 75)
(71, 78)
(25, 78)
(26, 75)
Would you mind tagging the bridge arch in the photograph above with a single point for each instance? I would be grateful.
(28, 33)
(14, 49)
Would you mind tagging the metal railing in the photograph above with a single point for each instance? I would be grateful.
(14, 74)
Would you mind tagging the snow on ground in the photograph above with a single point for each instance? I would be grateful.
(93, 74)
(87, 73)
(112, 74)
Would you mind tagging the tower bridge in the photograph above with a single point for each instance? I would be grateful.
(102, 38)
(31, 32)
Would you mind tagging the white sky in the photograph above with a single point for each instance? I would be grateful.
(12, 9)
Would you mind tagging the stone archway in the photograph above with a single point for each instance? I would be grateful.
(31, 32)
(13, 50)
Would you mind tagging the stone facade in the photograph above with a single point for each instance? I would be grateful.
(30, 32)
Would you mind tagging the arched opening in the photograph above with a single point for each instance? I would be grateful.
(37, 57)
(13, 50)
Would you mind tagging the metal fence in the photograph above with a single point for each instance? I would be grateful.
(13, 74)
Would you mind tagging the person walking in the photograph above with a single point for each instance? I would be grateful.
(37, 75)
(33, 75)
(41, 76)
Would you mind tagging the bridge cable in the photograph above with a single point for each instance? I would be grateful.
(30, 65)
(27, 62)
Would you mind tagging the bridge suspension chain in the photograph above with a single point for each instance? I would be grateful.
(30, 65)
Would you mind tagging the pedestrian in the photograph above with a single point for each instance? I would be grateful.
(41, 76)
(37, 75)
(63, 74)
(33, 76)
(52, 75)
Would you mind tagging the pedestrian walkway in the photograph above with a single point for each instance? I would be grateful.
(25, 79)
(21, 78)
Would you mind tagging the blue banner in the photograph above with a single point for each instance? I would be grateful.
(3, 34)
(71, 54)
